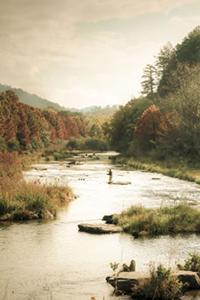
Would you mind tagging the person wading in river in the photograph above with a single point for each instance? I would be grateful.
(110, 173)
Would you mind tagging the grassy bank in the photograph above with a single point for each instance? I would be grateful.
(20, 200)
(27, 201)
(174, 169)
(164, 220)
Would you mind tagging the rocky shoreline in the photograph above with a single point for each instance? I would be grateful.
(127, 281)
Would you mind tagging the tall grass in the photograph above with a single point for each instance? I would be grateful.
(161, 285)
(22, 200)
(168, 168)
(32, 200)
(164, 220)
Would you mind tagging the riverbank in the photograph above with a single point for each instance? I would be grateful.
(173, 169)
(21, 200)
(159, 282)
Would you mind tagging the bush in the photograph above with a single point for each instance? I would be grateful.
(10, 165)
(3, 145)
(162, 285)
(13, 145)
(73, 144)
(192, 263)
(90, 144)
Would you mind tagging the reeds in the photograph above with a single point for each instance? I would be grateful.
(20, 200)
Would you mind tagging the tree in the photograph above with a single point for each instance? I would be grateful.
(81, 126)
(149, 85)
(95, 131)
(23, 131)
(121, 127)
(3, 145)
(184, 55)
(188, 52)
(185, 106)
(163, 60)
(151, 129)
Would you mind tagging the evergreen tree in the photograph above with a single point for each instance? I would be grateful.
(149, 86)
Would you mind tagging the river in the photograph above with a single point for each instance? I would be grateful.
(52, 260)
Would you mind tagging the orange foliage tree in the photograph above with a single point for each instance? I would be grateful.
(152, 128)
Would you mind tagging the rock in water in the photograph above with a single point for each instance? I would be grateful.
(127, 280)
(99, 228)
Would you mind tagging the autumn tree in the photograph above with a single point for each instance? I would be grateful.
(121, 127)
(151, 129)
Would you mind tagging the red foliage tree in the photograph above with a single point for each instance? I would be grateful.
(9, 130)
(152, 128)
(23, 131)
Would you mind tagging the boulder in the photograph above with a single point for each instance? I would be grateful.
(126, 280)
(6, 217)
(130, 268)
(108, 219)
(47, 215)
(189, 278)
(99, 228)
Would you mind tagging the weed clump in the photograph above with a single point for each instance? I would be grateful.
(192, 263)
(161, 285)
(165, 220)
(20, 200)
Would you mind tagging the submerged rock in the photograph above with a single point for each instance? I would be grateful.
(99, 228)
(120, 182)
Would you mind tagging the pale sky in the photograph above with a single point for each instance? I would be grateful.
(80, 53)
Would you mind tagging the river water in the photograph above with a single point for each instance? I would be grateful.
(52, 260)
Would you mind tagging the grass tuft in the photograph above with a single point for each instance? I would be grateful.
(164, 220)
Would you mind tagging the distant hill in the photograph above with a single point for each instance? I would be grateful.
(96, 110)
(32, 99)
(38, 102)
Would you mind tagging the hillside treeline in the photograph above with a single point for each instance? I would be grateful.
(165, 121)
(24, 127)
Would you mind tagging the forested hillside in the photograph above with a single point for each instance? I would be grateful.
(25, 127)
(165, 122)
(36, 101)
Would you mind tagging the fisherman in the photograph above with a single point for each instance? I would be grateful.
(110, 173)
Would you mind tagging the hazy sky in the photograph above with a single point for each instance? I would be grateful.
(87, 52)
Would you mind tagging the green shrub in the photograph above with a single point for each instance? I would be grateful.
(91, 144)
(13, 145)
(164, 220)
(162, 285)
(3, 145)
(192, 263)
